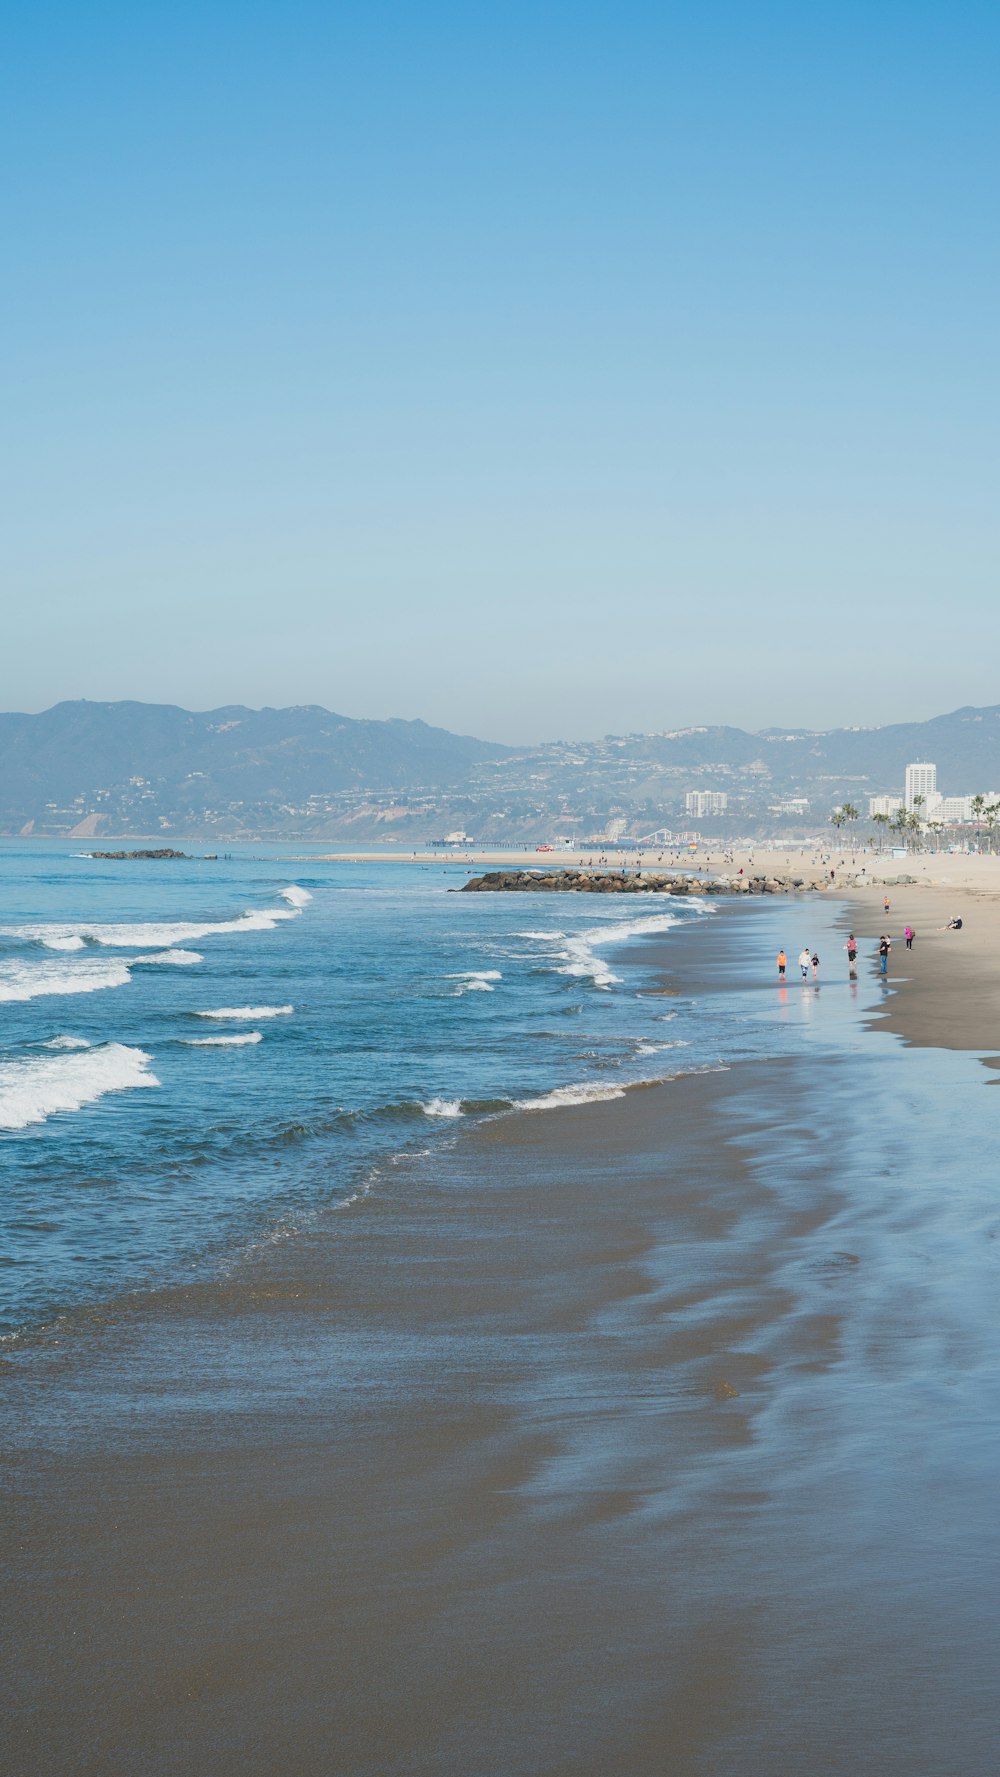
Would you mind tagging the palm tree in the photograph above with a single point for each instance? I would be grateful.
(978, 804)
(900, 824)
(991, 811)
(851, 815)
(881, 821)
(838, 818)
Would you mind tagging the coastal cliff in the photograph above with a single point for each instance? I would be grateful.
(597, 882)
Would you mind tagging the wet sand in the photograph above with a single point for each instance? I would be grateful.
(946, 990)
(651, 1436)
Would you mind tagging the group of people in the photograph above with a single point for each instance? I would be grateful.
(808, 961)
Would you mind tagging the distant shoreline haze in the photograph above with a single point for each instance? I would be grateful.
(88, 770)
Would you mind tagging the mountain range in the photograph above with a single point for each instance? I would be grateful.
(84, 768)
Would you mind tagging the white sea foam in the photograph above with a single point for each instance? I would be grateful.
(178, 959)
(443, 1107)
(575, 954)
(569, 1095)
(594, 1093)
(31, 1091)
(66, 1042)
(33, 980)
(74, 942)
(157, 935)
(295, 896)
(476, 980)
(248, 1036)
(247, 1012)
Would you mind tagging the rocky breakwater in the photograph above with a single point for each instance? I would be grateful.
(618, 882)
(164, 851)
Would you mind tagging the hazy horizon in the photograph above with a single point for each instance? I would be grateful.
(515, 740)
(560, 372)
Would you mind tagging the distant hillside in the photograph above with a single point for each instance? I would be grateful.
(85, 769)
(84, 759)
(964, 745)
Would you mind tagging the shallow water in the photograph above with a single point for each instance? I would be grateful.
(661, 1435)
(286, 1026)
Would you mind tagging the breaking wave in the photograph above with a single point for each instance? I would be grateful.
(159, 935)
(234, 1042)
(29, 981)
(179, 959)
(575, 954)
(33, 1091)
(569, 1095)
(443, 1107)
(476, 980)
(236, 1012)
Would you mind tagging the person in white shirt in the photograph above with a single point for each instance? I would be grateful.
(805, 958)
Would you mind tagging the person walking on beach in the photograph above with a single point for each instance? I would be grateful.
(852, 956)
(805, 958)
(885, 904)
(782, 965)
(884, 947)
(909, 935)
(815, 965)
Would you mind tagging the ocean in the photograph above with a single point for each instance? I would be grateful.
(363, 1421)
(197, 1055)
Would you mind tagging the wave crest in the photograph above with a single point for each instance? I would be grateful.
(33, 1091)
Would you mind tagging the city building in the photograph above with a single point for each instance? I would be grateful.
(703, 802)
(921, 780)
(887, 805)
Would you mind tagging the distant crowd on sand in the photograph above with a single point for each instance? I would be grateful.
(808, 960)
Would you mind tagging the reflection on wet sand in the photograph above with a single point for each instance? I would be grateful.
(657, 1435)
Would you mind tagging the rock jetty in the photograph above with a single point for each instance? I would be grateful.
(166, 851)
(617, 882)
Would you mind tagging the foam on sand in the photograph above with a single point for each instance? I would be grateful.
(32, 1091)
(234, 1042)
(248, 1012)
(569, 1095)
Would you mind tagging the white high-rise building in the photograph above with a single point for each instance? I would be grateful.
(952, 809)
(921, 780)
(888, 805)
(703, 802)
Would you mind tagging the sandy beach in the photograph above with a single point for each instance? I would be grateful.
(658, 1435)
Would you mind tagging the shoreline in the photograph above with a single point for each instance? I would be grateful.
(945, 992)
(562, 1450)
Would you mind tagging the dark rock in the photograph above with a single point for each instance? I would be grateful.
(166, 851)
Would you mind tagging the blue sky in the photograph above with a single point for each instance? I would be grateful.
(535, 370)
